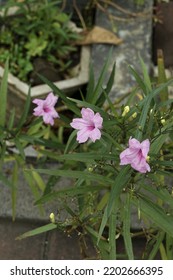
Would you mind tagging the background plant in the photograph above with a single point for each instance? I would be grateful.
(104, 192)
(35, 29)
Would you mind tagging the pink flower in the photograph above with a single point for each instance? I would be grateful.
(136, 155)
(45, 108)
(89, 125)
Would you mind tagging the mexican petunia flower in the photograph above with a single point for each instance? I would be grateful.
(45, 108)
(88, 126)
(136, 155)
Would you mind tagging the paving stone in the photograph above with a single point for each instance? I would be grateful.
(63, 246)
(26, 249)
(25, 199)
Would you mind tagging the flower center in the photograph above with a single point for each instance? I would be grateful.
(91, 126)
(46, 109)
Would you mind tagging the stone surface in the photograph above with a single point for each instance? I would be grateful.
(26, 249)
(25, 198)
(135, 31)
(62, 247)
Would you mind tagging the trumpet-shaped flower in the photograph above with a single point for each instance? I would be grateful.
(45, 108)
(136, 155)
(88, 126)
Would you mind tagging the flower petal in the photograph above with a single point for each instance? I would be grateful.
(127, 156)
(95, 134)
(145, 146)
(79, 123)
(50, 100)
(134, 143)
(141, 166)
(83, 135)
(98, 120)
(87, 114)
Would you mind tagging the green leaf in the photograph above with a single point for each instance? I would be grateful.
(14, 189)
(3, 96)
(62, 95)
(147, 81)
(77, 174)
(90, 87)
(19, 147)
(96, 93)
(155, 214)
(160, 193)
(37, 231)
(120, 182)
(84, 157)
(33, 186)
(138, 79)
(68, 192)
(71, 143)
(127, 226)
(112, 235)
(104, 95)
(5, 181)
(25, 111)
(155, 245)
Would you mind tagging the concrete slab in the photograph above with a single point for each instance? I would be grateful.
(133, 24)
(26, 249)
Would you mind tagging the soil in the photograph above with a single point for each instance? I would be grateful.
(52, 73)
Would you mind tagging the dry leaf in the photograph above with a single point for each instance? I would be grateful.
(99, 35)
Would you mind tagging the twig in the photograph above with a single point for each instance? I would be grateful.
(109, 14)
(79, 15)
(127, 12)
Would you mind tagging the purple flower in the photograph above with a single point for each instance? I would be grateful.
(136, 155)
(45, 108)
(89, 126)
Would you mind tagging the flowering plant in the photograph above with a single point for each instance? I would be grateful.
(118, 157)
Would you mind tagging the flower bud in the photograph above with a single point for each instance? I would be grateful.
(162, 121)
(134, 115)
(126, 110)
(52, 218)
(148, 158)
(90, 169)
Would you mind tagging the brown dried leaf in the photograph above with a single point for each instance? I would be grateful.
(99, 35)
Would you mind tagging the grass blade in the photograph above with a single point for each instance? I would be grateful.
(3, 96)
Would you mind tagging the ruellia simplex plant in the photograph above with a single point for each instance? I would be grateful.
(118, 158)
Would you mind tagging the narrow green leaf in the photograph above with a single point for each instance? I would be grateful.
(147, 81)
(169, 247)
(120, 182)
(90, 87)
(62, 95)
(160, 193)
(155, 247)
(71, 143)
(37, 231)
(138, 79)
(25, 111)
(3, 96)
(107, 90)
(77, 174)
(19, 147)
(11, 119)
(5, 181)
(155, 214)
(67, 192)
(112, 235)
(33, 186)
(14, 189)
(96, 93)
(162, 76)
(126, 228)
